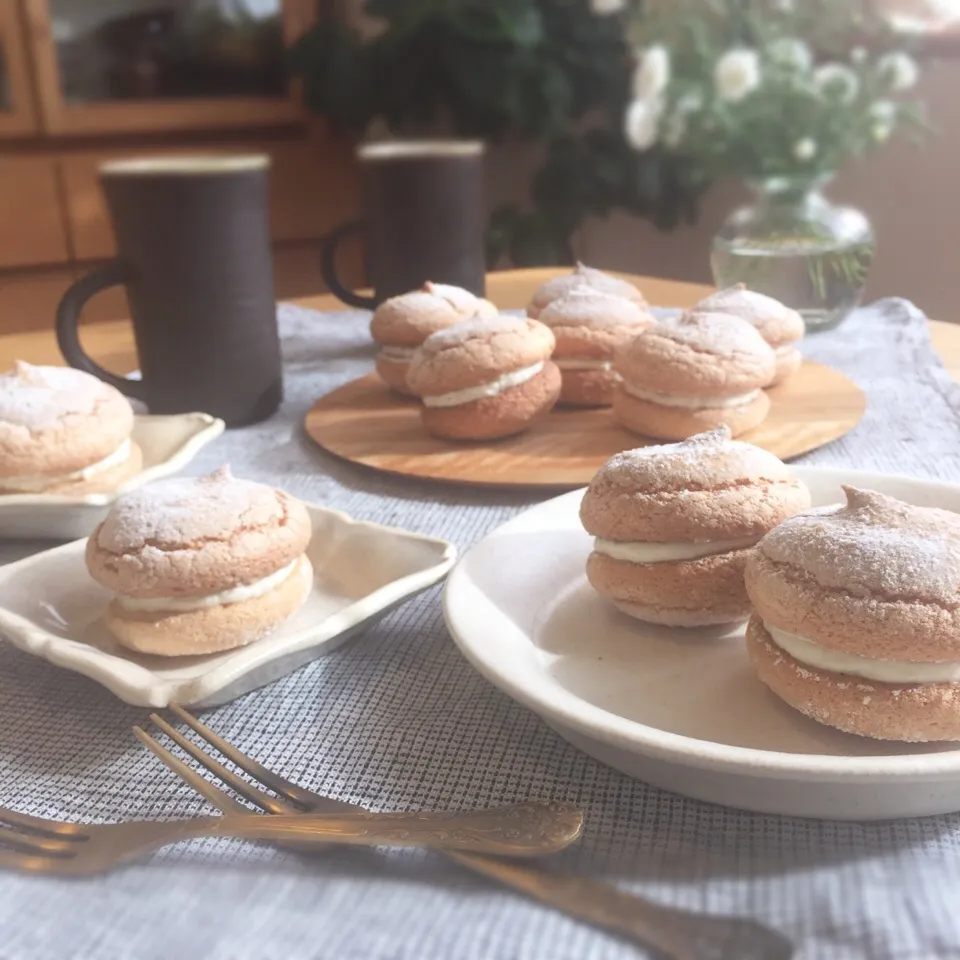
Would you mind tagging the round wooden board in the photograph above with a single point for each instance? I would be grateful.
(364, 422)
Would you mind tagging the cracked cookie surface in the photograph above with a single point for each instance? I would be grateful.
(196, 536)
(56, 420)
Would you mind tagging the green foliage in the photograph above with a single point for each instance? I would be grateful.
(826, 83)
(548, 71)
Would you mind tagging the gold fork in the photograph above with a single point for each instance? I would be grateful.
(82, 849)
(677, 934)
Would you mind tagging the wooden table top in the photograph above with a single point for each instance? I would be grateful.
(111, 344)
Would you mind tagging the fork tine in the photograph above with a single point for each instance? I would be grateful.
(25, 863)
(233, 780)
(34, 843)
(290, 791)
(204, 787)
(50, 828)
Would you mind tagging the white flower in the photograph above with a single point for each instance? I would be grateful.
(837, 81)
(883, 115)
(805, 149)
(737, 74)
(791, 52)
(883, 111)
(900, 70)
(641, 123)
(604, 8)
(652, 75)
(858, 55)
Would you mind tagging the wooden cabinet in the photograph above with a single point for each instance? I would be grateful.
(33, 231)
(18, 115)
(85, 81)
(119, 66)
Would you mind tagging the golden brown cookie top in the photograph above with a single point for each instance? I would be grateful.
(196, 536)
(476, 352)
(874, 545)
(408, 319)
(706, 488)
(592, 323)
(698, 355)
(775, 322)
(56, 420)
(582, 276)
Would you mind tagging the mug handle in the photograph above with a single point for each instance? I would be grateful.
(71, 305)
(328, 267)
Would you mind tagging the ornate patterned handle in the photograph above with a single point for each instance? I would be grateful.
(524, 830)
(677, 934)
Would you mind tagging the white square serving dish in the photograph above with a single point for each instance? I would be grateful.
(51, 607)
(168, 443)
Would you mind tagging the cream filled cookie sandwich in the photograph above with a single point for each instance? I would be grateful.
(780, 326)
(589, 325)
(401, 324)
(673, 526)
(857, 617)
(63, 432)
(484, 379)
(201, 565)
(690, 373)
(582, 276)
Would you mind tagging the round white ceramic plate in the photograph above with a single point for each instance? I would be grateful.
(681, 710)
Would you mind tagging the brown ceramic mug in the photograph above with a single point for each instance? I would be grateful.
(424, 219)
(194, 255)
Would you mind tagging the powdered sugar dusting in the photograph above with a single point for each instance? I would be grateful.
(39, 397)
(875, 545)
(704, 461)
(718, 333)
(765, 313)
(588, 307)
(477, 328)
(434, 306)
(185, 510)
(462, 301)
(589, 277)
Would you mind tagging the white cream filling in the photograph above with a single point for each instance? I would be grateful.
(883, 671)
(711, 403)
(637, 552)
(246, 591)
(582, 363)
(38, 484)
(512, 379)
(400, 354)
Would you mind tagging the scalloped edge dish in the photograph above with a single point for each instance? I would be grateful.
(168, 442)
(50, 607)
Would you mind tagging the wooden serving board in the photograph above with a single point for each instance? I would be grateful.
(366, 423)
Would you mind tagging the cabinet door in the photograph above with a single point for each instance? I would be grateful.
(108, 66)
(17, 114)
(32, 230)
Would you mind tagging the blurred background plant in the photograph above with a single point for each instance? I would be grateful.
(781, 88)
(555, 72)
(780, 94)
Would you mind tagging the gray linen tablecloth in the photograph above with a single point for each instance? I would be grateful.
(397, 719)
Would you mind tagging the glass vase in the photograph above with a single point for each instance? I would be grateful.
(794, 244)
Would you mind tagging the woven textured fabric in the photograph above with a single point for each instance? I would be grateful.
(397, 719)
